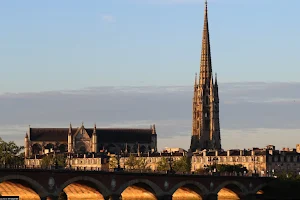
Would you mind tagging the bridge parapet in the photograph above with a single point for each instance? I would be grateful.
(50, 183)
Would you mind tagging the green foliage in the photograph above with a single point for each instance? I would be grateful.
(200, 171)
(163, 164)
(288, 177)
(228, 168)
(139, 163)
(51, 160)
(10, 153)
(113, 163)
(131, 162)
(182, 165)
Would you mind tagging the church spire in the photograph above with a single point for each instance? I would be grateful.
(205, 66)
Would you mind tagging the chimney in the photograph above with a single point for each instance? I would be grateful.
(241, 152)
(271, 151)
(204, 152)
(216, 153)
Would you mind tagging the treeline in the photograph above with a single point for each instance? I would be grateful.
(165, 164)
(11, 155)
(227, 168)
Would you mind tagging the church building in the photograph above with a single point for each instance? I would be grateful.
(39, 141)
(206, 123)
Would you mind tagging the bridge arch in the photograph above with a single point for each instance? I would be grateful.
(198, 185)
(238, 188)
(99, 186)
(39, 189)
(156, 189)
(259, 189)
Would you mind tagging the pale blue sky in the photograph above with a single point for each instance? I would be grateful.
(71, 44)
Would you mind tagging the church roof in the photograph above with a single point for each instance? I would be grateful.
(104, 135)
(122, 135)
(49, 134)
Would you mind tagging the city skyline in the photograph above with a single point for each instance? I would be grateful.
(268, 117)
(46, 47)
(134, 113)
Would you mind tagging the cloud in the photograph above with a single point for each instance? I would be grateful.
(108, 18)
(251, 114)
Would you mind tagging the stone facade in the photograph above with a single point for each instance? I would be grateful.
(253, 160)
(75, 161)
(206, 123)
(265, 162)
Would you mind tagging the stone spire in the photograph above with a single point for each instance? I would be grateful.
(205, 126)
(205, 65)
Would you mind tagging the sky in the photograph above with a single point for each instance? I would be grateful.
(131, 63)
(74, 44)
(251, 114)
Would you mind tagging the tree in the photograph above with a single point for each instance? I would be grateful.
(113, 163)
(228, 168)
(47, 161)
(163, 164)
(51, 159)
(182, 165)
(131, 162)
(141, 163)
(10, 153)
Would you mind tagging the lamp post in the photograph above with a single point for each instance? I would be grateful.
(254, 167)
(215, 162)
(170, 160)
(118, 157)
(70, 161)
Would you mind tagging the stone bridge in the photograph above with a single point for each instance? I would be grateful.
(48, 184)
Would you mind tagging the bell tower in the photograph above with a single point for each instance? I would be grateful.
(206, 123)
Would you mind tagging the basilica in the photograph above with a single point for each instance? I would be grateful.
(39, 141)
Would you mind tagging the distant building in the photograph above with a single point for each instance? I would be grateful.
(39, 141)
(89, 161)
(253, 160)
(151, 160)
(206, 121)
(266, 162)
(298, 148)
(174, 150)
